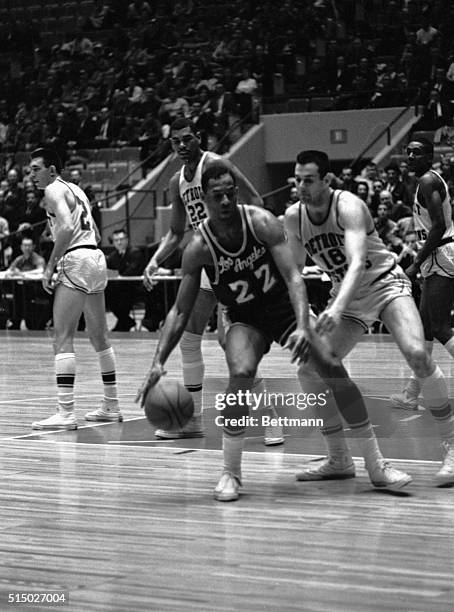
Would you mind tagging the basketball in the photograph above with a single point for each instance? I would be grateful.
(168, 405)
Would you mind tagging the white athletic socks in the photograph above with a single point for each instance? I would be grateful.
(333, 428)
(435, 392)
(193, 367)
(108, 373)
(65, 372)
(259, 389)
(365, 436)
(232, 447)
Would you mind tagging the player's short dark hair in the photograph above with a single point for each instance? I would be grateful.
(181, 122)
(426, 143)
(312, 156)
(215, 170)
(50, 158)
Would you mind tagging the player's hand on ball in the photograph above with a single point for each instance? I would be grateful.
(154, 374)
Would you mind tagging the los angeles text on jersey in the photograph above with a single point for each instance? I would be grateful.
(237, 264)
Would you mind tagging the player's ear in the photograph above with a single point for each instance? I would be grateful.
(53, 170)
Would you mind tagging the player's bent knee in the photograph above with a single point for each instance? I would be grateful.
(242, 372)
(419, 360)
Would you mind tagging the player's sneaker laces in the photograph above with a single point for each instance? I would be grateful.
(445, 475)
(108, 412)
(228, 488)
(329, 469)
(61, 420)
(192, 429)
(384, 476)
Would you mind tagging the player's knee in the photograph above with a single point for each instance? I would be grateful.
(242, 372)
(419, 360)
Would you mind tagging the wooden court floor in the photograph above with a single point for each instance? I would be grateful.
(120, 521)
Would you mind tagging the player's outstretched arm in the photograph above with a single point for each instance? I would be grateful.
(173, 237)
(178, 315)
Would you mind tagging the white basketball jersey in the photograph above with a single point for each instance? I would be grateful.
(440, 260)
(84, 226)
(191, 193)
(325, 242)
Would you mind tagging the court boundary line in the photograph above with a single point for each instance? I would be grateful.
(218, 450)
(44, 432)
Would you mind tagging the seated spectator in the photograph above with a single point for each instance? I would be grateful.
(105, 132)
(129, 133)
(383, 223)
(173, 106)
(30, 302)
(362, 191)
(134, 91)
(4, 233)
(436, 114)
(244, 92)
(204, 122)
(377, 187)
(407, 257)
(395, 186)
(139, 10)
(120, 296)
(347, 182)
(35, 216)
(279, 210)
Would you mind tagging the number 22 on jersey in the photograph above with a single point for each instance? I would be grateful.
(242, 289)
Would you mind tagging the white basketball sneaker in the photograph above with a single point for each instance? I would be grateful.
(274, 434)
(331, 468)
(108, 412)
(228, 488)
(385, 476)
(192, 429)
(445, 476)
(63, 419)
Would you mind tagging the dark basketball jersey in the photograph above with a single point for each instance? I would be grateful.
(248, 278)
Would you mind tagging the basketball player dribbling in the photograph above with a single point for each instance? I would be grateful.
(335, 228)
(187, 205)
(79, 288)
(248, 261)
